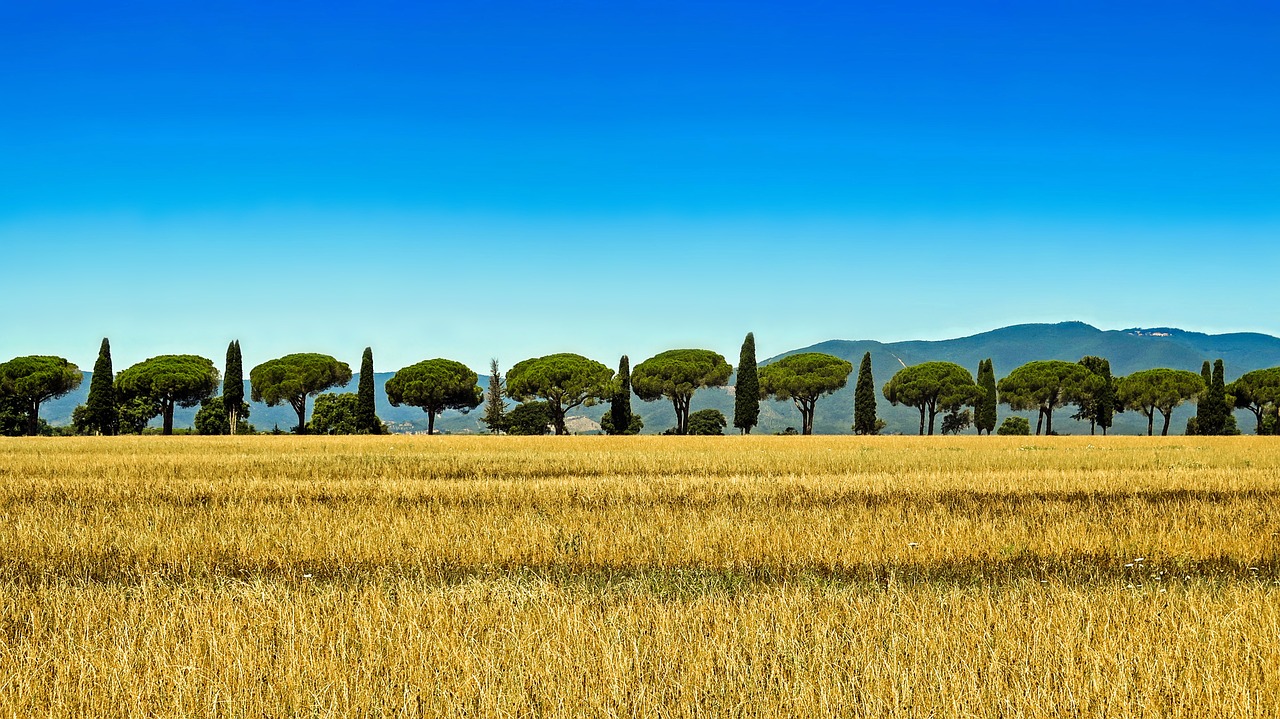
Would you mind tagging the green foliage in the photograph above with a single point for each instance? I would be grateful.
(707, 422)
(1159, 390)
(1213, 411)
(336, 414)
(1046, 385)
(746, 391)
(33, 380)
(529, 418)
(984, 410)
(435, 385)
(803, 378)
(864, 399)
(495, 409)
(100, 415)
(214, 419)
(676, 375)
(1015, 426)
(564, 380)
(13, 417)
(932, 387)
(1097, 402)
(956, 422)
(135, 412)
(634, 427)
(293, 377)
(233, 387)
(619, 414)
(367, 421)
(169, 381)
(1259, 392)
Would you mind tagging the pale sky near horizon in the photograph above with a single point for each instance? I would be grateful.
(494, 180)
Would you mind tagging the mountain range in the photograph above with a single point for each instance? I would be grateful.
(1128, 350)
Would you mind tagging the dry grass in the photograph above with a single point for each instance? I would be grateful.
(639, 576)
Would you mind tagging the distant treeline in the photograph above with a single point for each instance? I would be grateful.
(547, 388)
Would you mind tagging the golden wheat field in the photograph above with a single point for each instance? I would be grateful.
(639, 576)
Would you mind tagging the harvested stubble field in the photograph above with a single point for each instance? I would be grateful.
(640, 576)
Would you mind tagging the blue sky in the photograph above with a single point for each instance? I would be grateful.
(485, 179)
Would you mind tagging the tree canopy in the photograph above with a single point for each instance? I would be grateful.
(564, 380)
(1097, 402)
(293, 377)
(1046, 385)
(1159, 390)
(932, 387)
(367, 416)
(676, 375)
(529, 418)
(707, 422)
(33, 380)
(336, 414)
(1257, 391)
(803, 378)
(214, 418)
(435, 385)
(169, 381)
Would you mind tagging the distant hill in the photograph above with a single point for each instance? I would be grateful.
(1129, 350)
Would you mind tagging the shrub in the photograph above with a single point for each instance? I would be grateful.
(1018, 426)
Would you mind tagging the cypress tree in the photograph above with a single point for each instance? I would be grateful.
(746, 392)
(620, 403)
(101, 403)
(864, 399)
(1212, 413)
(366, 413)
(495, 411)
(233, 385)
(984, 416)
(1107, 403)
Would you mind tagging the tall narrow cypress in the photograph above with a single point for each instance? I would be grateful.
(746, 391)
(984, 418)
(495, 409)
(1213, 411)
(366, 413)
(620, 404)
(102, 412)
(1107, 403)
(233, 385)
(864, 399)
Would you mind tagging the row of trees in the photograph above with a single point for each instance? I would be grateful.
(549, 387)
(1047, 385)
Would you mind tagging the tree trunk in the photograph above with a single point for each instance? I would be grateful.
(806, 415)
(1257, 413)
(681, 406)
(301, 408)
(1167, 416)
(933, 413)
(1151, 422)
(167, 409)
(33, 419)
(1093, 427)
(431, 422)
(1048, 420)
(1039, 421)
(921, 420)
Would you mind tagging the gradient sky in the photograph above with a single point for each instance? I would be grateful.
(482, 179)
